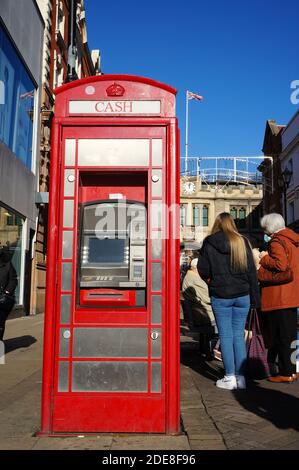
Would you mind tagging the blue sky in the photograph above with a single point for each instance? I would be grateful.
(241, 55)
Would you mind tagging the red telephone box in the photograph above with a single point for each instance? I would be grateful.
(111, 352)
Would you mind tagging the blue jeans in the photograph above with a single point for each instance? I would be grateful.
(230, 315)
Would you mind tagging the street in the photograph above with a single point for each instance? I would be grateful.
(266, 416)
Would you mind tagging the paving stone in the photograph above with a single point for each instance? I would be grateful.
(200, 444)
(73, 443)
(149, 442)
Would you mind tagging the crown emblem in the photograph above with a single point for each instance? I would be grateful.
(115, 90)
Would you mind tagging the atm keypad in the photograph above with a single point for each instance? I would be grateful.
(138, 272)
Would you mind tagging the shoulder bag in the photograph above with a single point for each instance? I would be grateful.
(276, 278)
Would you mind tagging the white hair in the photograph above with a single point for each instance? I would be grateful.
(194, 263)
(272, 223)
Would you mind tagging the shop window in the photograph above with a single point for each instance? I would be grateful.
(16, 112)
(205, 216)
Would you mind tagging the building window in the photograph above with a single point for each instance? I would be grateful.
(16, 112)
(11, 234)
(205, 216)
(196, 215)
(183, 214)
(291, 212)
(242, 218)
(234, 213)
(255, 218)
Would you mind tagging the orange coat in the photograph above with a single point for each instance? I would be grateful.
(285, 295)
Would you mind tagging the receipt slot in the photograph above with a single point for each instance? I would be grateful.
(111, 349)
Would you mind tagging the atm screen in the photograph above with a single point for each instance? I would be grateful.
(107, 251)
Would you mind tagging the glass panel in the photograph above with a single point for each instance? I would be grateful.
(156, 309)
(113, 152)
(157, 155)
(65, 309)
(17, 102)
(66, 281)
(157, 185)
(70, 152)
(156, 380)
(11, 230)
(156, 342)
(110, 342)
(156, 248)
(69, 182)
(63, 377)
(156, 277)
(68, 214)
(67, 245)
(156, 214)
(64, 342)
(109, 377)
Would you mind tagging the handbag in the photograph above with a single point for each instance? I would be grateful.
(276, 278)
(257, 364)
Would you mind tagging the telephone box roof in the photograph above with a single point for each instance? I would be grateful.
(102, 78)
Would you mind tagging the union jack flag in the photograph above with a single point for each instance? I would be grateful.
(194, 96)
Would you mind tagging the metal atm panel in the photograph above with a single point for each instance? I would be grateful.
(113, 253)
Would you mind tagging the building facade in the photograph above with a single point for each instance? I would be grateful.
(271, 167)
(289, 159)
(56, 16)
(201, 203)
(21, 39)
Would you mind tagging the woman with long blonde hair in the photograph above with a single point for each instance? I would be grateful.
(227, 265)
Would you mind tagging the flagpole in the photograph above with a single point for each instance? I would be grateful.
(186, 145)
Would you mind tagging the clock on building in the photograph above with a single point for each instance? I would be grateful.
(189, 187)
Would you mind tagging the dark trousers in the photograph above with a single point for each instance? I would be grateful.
(283, 332)
(3, 317)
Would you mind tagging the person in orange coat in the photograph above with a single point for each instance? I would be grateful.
(280, 302)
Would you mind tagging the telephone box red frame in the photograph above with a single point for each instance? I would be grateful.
(74, 412)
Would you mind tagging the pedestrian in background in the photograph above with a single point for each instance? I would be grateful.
(280, 301)
(8, 284)
(196, 291)
(227, 264)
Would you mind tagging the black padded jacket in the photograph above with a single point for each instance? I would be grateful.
(214, 266)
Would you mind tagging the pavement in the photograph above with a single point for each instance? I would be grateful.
(265, 416)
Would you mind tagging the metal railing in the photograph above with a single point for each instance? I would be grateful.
(242, 170)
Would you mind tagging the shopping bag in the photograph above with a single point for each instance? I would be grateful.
(257, 364)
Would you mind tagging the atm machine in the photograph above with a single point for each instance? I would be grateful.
(113, 254)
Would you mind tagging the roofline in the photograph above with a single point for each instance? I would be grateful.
(290, 122)
(101, 78)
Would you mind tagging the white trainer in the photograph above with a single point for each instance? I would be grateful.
(241, 382)
(229, 382)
